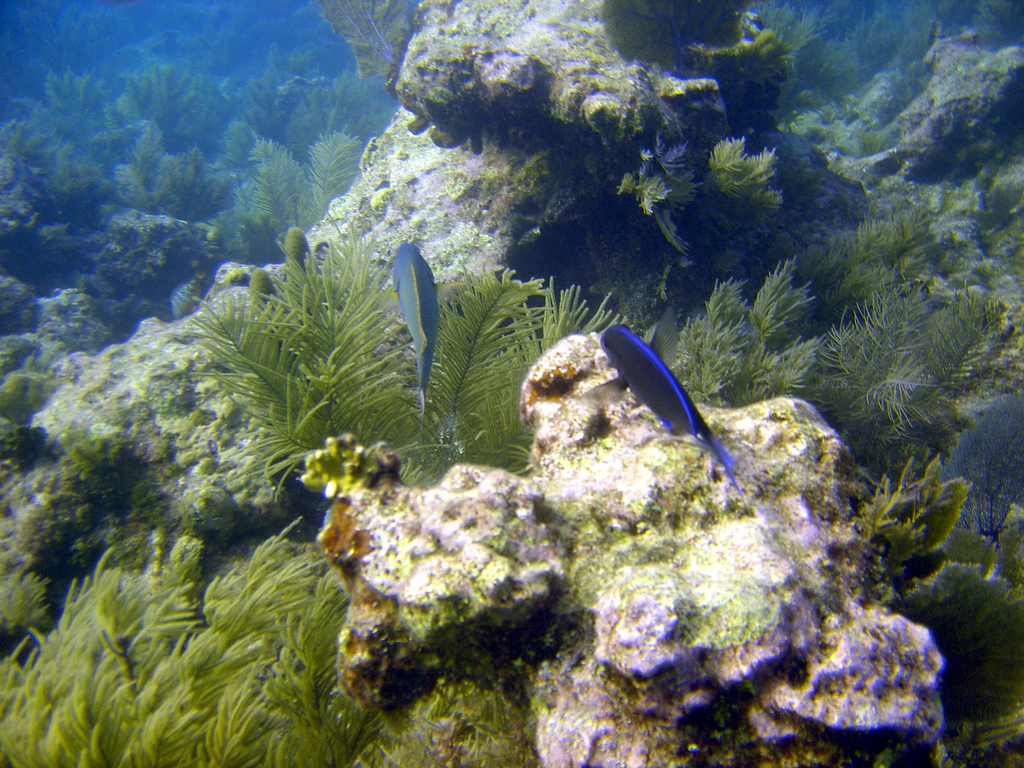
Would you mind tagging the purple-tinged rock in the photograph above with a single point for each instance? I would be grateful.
(869, 670)
(707, 602)
(652, 609)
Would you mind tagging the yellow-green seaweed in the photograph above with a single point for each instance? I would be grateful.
(743, 178)
(137, 673)
(328, 322)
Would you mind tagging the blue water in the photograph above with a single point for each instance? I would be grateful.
(114, 113)
(232, 41)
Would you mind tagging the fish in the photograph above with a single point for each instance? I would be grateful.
(417, 299)
(643, 370)
(185, 298)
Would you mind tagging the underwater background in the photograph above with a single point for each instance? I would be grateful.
(199, 207)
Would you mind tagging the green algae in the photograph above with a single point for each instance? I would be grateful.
(22, 393)
(655, 30)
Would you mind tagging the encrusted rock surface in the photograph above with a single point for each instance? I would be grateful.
(691, 617)
(465, 211)
(869, 669)
(140, 423)
(450, 569)
(541, 66)
(526, 121)
(143, 259)
(539, 118)
(972, 102)
(69, 321)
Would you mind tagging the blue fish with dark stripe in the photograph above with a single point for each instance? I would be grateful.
(414, 283)
(643, 371)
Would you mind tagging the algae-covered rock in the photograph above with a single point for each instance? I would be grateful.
(143, 259)
(69, 322)
(14, 351)
(869, 670)
(969, 108)
(520, 122)
(438, 577)
(653, 609)
(465, 211)
(22, 393)
(697, 590)
(550, 116)
(140, 440)
(148, 254)
(540, 67)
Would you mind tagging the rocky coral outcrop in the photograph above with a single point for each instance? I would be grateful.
(553, 117)
(517, 207)
(143, 259)
(691, 617)
(141, 440)
(971, 104)
(465, 211)
(869, 670)
(542, 67)
(454, 568)
(69, 322)
(519, 122)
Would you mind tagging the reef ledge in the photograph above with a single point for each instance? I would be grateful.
(640, 609)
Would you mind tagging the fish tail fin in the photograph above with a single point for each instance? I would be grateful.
(724, 459)
(423, 405)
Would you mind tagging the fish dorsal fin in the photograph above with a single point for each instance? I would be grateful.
(665, 341)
